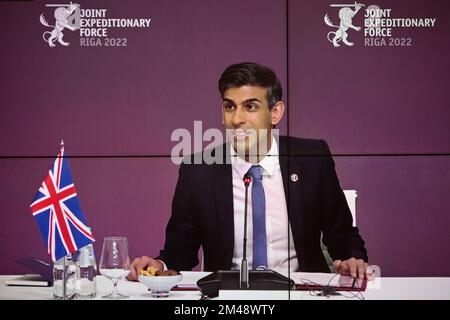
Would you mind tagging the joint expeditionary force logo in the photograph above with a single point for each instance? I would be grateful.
(92, 26)
(346, 15)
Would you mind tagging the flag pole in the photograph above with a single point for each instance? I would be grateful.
(61, 147)
(64, 297)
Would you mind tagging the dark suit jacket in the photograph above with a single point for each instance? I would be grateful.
(202, 211)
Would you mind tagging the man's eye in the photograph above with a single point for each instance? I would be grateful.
(228, 107)
(251, 107)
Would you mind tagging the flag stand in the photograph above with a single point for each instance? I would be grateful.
(60, 216)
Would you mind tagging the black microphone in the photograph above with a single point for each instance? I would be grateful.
(243, 274)
(243, 279)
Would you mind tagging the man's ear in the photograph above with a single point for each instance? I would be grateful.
(277, 112)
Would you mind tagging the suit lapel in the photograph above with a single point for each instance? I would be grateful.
(284, 164)
(291, 173)
(223, 198)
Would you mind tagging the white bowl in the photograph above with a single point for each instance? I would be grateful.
(160, 285)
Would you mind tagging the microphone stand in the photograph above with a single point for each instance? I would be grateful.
(243, 273)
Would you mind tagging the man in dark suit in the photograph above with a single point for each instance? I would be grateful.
(295, 193)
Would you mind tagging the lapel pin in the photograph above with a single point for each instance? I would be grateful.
(294, 177)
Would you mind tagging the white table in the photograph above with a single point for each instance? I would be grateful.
(381, 289)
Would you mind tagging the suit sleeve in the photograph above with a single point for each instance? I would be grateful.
(182, 237)
(341, 238)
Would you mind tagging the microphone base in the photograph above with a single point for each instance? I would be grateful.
(230, 280)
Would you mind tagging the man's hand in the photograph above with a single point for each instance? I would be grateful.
(142, 263)
(354, 267)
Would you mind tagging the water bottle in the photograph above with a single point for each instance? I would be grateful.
(58, 278)
(86, 283)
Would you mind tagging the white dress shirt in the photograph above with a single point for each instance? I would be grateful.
(277, 223)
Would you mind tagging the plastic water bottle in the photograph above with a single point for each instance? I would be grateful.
(58, 278)
(86, 282)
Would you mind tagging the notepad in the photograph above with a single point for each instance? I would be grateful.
(35, 266)
(29, 280)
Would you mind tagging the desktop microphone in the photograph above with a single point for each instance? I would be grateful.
(243, 275)
(243, 279)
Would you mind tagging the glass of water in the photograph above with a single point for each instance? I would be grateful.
(115, 262)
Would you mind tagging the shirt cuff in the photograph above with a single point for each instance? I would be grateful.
(164, 265)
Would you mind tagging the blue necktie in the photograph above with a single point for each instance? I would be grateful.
(259, 218)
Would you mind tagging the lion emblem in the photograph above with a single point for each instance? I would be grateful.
(346, 15)
(62, 15)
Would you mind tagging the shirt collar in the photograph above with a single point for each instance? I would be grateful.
(269, 163)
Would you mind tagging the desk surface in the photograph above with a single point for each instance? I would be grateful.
(379, 289)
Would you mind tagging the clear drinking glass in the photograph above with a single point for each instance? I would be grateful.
(115, 262)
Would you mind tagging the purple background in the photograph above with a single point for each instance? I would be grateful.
(120, 102)
(381, 101)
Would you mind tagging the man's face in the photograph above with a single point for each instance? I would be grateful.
(248, 119)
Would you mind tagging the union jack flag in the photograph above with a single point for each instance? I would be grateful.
(58, 212)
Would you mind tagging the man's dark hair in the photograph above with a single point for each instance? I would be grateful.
(252, 74)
